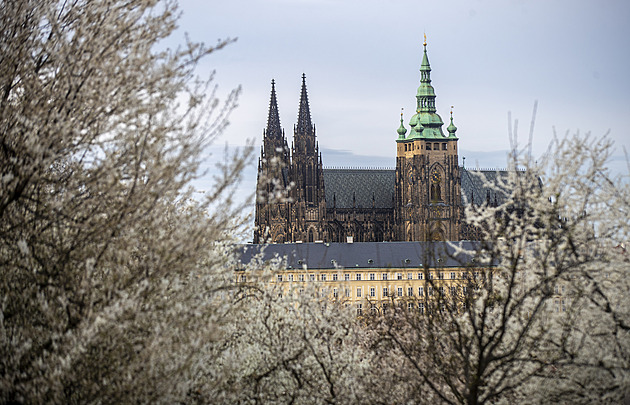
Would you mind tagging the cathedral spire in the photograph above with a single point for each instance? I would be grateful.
(273, 120)
(426, 123)
(426, 93)
(425, 67)
(304, 116)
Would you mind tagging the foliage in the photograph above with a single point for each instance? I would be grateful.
(106, 262)
(290, 347)
(116, 286)
(547, 321)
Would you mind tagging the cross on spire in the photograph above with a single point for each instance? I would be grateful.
(273, 120)
(304, 115)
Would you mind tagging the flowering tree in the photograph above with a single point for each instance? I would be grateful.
(548, 319)
(116, 286)
(290, 346)
(105, 262)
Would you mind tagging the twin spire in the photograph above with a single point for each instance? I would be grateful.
(304, 125)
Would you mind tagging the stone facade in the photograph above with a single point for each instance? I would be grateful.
(421, 200)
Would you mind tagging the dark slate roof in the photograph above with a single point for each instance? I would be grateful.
(362, 184)
(364, 255)
(344, 185)
(474, 189)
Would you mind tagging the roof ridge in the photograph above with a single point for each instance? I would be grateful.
(358, 168)
(491, 169)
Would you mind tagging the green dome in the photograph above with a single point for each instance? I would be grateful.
(425, 90)
(401, 129)
(416, 127)
(427, 123)
(413, 121)
(451, 128)
(431, 119)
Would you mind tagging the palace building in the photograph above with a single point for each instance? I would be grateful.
(371, 275)
(422, 199)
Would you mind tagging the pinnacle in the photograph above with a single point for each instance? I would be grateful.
(273, 120)
(425, 66)
(304, 115)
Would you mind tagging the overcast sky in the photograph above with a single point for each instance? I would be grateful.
(362, 60)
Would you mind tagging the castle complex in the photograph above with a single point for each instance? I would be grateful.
(298, 200)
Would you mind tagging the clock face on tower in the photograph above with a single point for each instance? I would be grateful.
(435, 176)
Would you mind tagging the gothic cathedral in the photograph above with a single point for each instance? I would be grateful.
(297, 199)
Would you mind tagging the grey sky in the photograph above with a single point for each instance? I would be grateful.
(361, 60)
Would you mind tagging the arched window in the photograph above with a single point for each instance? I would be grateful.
(436, 186)
(436, 193)
(310, 235)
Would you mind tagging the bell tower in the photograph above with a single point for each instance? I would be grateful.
(428, 202)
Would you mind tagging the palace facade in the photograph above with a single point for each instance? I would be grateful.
(422, 199)
(371, 275)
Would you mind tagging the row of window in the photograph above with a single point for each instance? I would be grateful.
(560, 306)
(370, 276)
(436, 146)
(559, 290)
(399, 291)
(420, 306)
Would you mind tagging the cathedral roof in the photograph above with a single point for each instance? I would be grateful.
(365, 255)
(355, 188)
(348, 188)
(474, 190)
